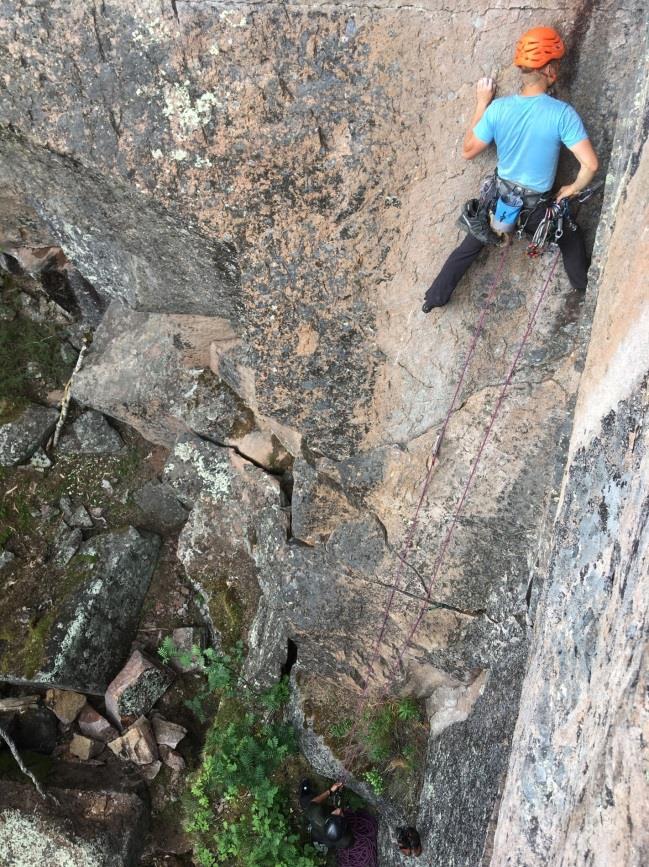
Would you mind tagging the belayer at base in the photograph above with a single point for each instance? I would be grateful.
(528, 130)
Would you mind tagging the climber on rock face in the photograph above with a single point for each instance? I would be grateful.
(528, 130)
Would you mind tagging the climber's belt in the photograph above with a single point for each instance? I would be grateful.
(531, 198)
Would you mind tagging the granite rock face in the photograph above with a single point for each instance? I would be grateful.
(263, 192)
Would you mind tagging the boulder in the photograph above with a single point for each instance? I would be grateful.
(91, 435)
(96, 817)
(66, 544)
(94, 725)
(166, 733)
(65, 704)
(19, 439)
(136, 689)
(85, 748)
(161, 510)
(137, 744)
(172, 759)
(82, 623)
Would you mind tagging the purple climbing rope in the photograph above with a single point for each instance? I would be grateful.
(364, 851)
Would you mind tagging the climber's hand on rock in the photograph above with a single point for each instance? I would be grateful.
(485, 90)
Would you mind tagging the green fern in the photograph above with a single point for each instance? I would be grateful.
(407, 709)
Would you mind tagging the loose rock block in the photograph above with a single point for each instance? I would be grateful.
(137, 744)
(85, 748)
(94, 725)
(136, 688)
(65, 703)
(92, 435)
(172, 759)
(160, 507)
(166, 733)
(19, 439)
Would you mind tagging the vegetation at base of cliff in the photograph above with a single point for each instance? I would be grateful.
(238, 805)
(391, 738)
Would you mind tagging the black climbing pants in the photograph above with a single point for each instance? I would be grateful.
(571, 245)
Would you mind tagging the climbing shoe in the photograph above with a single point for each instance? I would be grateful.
(475, 220)
(426, 307)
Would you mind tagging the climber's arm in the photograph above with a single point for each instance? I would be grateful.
(472, 145)
(588, 165)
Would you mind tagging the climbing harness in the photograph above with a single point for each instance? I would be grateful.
(350, 754)
(501, 205)
(555, 221)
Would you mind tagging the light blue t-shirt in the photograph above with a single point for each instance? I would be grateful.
(528, 131)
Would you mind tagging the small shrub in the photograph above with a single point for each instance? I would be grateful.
(341, 729)
(221, 671)
(26, 346)
(378, 734)
(407, 709)
(374, 779)
(277, 696)
(409, 756)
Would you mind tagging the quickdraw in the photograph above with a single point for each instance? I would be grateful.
(557, 216)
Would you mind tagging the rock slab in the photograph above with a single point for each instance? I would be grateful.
(92, 614)
(19, 439)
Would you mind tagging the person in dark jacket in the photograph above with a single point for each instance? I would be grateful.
(327, 826)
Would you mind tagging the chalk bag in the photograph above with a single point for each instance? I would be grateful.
(508, 207)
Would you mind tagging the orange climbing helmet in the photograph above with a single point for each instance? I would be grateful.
(537, 47)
